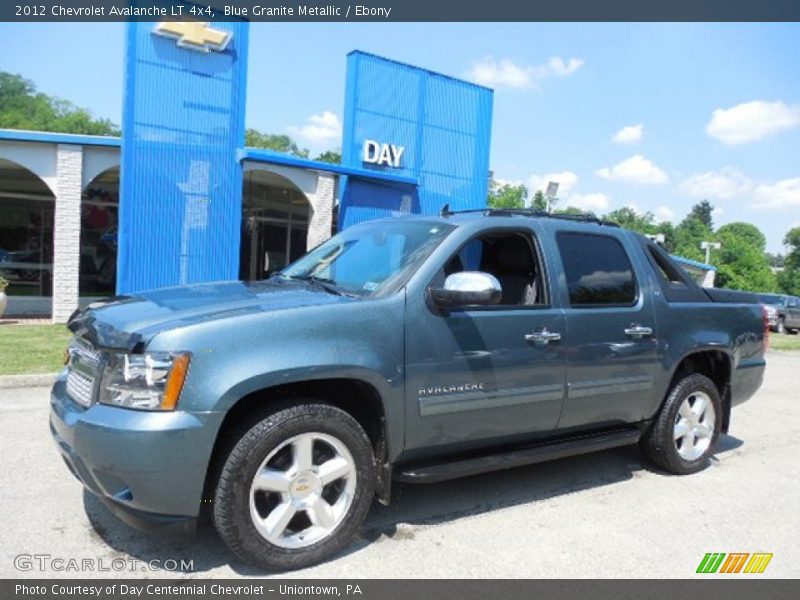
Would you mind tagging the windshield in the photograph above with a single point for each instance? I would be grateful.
(772, 299)
(370, 258)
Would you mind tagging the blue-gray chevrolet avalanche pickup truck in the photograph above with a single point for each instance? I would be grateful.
(414, 349)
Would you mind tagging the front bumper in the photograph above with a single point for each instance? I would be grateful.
(148, 467)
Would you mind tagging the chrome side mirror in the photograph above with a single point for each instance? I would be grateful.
(468, 288)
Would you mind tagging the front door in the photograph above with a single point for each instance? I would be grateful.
(610, 332)
(477, 376)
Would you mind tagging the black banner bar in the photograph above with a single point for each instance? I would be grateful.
(404, 10)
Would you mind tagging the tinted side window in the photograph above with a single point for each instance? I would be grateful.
(598, 270)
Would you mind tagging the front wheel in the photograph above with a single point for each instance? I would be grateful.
(295, 488)
(685, 431)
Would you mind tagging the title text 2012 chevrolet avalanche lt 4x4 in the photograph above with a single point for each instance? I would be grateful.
(415, 349)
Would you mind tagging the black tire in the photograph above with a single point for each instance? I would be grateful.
(232, 517)
(658, 443)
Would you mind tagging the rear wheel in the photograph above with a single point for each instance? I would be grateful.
(682, 438)
(295, 488)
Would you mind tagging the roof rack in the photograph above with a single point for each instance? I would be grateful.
(528, 212)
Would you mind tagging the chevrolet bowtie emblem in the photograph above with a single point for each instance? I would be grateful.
(194, 35)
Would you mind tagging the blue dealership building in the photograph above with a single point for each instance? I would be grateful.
(180, 199)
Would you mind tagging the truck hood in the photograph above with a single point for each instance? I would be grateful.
(124, 322)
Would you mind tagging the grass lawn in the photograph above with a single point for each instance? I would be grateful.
(778, 341)
(32, 348)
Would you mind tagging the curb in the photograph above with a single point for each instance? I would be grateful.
(30, 380)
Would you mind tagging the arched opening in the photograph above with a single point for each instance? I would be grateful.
(99, 221)
(275, 218)
(27, 210)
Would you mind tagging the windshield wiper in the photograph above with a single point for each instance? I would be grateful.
(326, 284)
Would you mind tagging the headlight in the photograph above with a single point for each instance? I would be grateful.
(150, 381)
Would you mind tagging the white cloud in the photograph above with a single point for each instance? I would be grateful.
(506, 73)
(319, 129)
(557, 66)
(781, 194)
(718, 185)
(567, 180)
(590, 202)
(567, 196)
(730, 183)
(630, 134)
(752, 121)
(664, 213)
(636, 169)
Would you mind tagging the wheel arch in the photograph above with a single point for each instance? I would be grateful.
(716, 364)
(358, 397)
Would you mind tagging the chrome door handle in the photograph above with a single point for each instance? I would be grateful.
(638, 331)
(543, 336)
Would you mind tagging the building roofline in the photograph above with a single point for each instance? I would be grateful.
(418, 68)
(264, 155)
(693, 263)
(22, 135)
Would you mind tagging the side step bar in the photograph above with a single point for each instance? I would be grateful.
(434, 473)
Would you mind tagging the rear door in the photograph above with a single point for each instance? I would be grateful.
(793, 312)
(610, 329)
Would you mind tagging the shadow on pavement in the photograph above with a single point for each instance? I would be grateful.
(412, 506)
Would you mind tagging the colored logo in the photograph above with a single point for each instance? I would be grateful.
(195, 35)
(734, 562)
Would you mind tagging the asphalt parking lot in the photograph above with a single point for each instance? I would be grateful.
(595, 516)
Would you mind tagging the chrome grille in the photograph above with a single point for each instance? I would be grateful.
(84, 369)
(80, 388)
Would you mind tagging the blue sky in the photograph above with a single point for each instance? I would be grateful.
(702, 110)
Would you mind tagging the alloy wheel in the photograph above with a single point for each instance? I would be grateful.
(694, 426)
(303, 490)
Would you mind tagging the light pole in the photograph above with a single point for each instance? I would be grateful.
(708, 246)
(550, 194)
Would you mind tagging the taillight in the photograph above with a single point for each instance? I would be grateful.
(765, 319)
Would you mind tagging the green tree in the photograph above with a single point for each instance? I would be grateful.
(23, 107)
(628, 218)
(703, 211)
(741, 262)
(789, 278)
(689, 234)
(506, 195)
(775, 260)
(273, 141)
(333, 157)
(539, 202)
(573, 210)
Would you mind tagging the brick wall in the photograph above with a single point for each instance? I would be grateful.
(319, 229)
(67, 234)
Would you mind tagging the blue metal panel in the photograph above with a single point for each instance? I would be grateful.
(444, 124)
(273, 157)
(181, 180)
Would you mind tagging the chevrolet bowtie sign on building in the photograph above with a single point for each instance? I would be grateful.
(195, 35)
